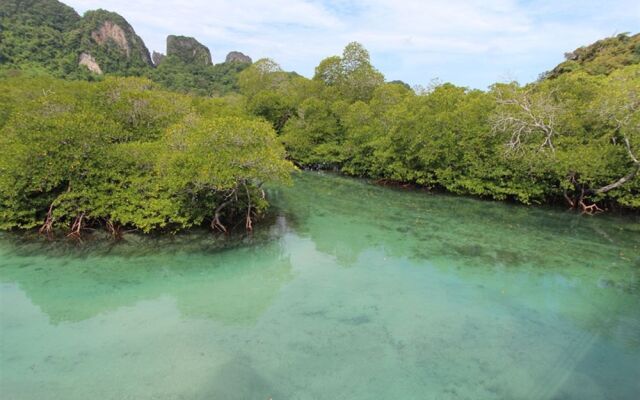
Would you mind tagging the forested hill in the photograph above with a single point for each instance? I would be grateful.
(47, 36)
(601, 57)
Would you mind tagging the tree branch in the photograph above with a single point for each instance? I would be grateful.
(627, 177)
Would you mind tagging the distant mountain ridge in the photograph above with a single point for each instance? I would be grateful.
(51, 36)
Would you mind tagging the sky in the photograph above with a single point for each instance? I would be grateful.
(470, 43)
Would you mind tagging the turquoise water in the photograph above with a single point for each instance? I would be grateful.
(351, 291)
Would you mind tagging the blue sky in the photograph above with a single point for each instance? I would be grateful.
(468, 42)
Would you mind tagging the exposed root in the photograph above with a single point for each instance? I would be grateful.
(570, 201)
(76, 228)
(216, 224)
(248, 224)
(47, 227)
(579, 200)
(115, 230)
(590, 209)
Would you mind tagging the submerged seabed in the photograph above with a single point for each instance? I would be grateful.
(352, 292)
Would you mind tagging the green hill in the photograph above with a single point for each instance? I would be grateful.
(32, 33)
(601, 57)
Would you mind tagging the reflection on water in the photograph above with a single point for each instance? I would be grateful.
(352, 292)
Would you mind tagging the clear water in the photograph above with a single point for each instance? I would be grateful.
(352, 292)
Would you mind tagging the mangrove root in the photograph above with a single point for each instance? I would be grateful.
(115, 230)
(590, 209)
(47, 227)
(215, 222)
(76, 228)
(570, 201)
(248, 224)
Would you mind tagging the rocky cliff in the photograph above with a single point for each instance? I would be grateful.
(157, 58)
(236, 56)
(90, 63)
(110, 41)
(188, 50)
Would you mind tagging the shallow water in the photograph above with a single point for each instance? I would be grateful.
(352, 292)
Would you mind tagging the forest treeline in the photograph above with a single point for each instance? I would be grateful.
(573, 138)
(170, 149)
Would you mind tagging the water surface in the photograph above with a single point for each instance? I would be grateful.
(351, 291)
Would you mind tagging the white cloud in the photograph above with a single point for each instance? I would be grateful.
(469, 42)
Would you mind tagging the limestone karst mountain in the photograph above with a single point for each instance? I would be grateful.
(111, 41)
(236, 56)
(188, 50)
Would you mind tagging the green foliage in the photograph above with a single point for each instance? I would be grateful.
(124, 154)
(216, 154)
(588, 121)
(264, 74)
(272, 93)
(313, 137)
(199, 79)
(352, 75)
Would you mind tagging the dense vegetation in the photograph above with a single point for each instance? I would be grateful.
(122, 154)
(191, 143)
(203, 80)
(575, 138)
(32, 33)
